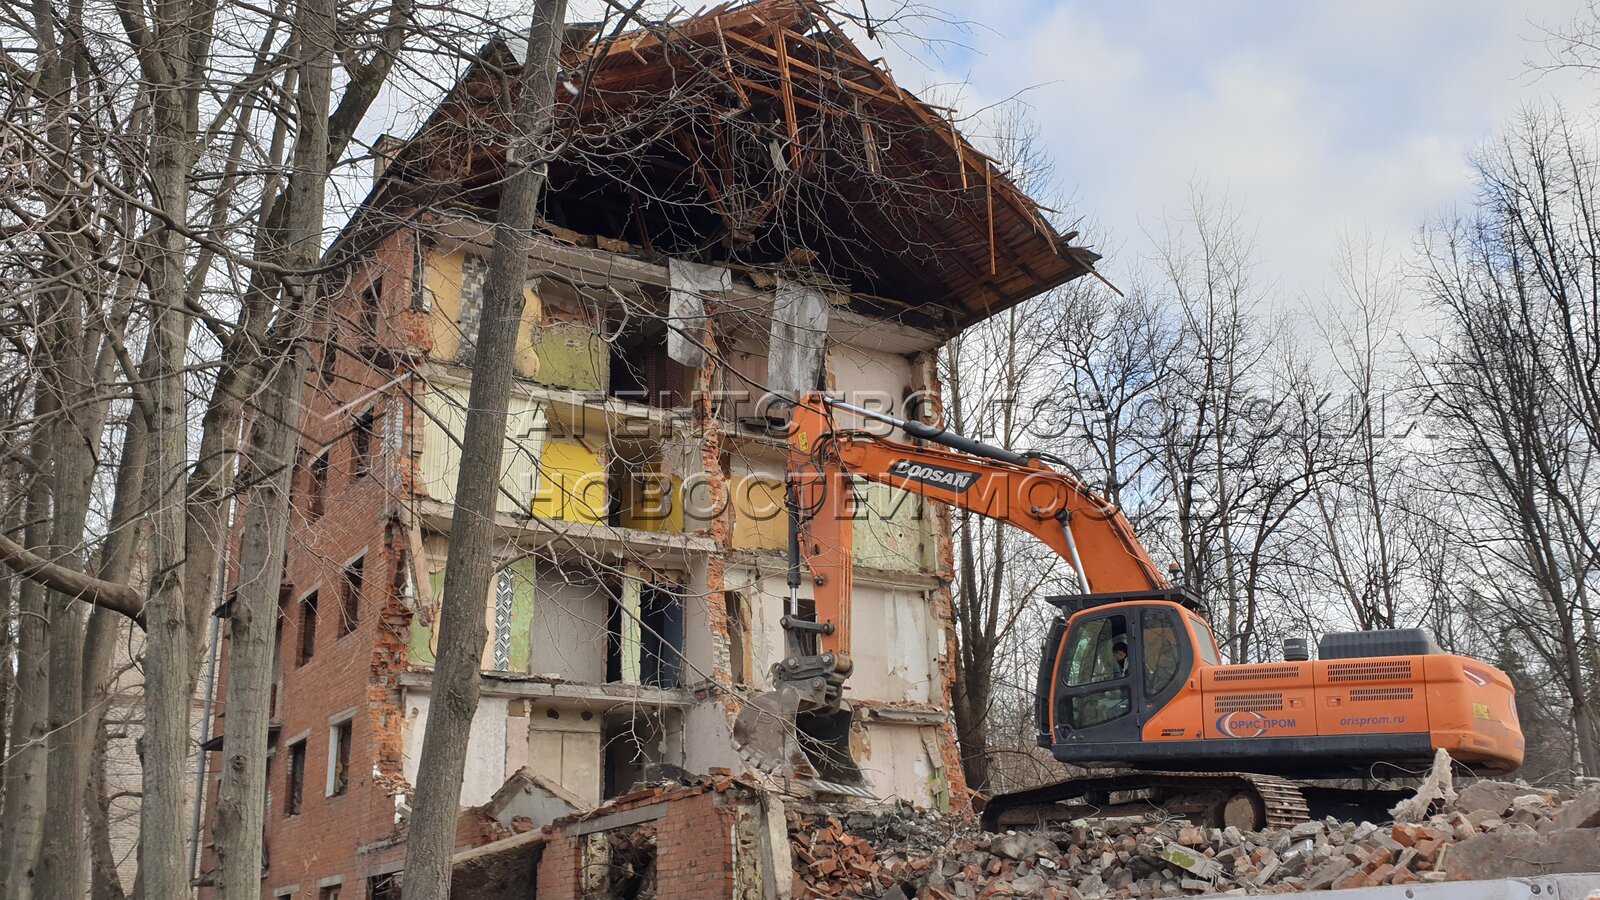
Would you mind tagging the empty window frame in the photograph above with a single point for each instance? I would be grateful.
(295, 780)
(350, 590)
(277, 664)
(384, 887)
(361, 445)
(340, 734)
(738, 637)
(330, 360)
(308, 628)
(644, 626)
(317, 502)
(371, 310)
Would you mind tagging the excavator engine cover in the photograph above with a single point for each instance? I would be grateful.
(1388, 642)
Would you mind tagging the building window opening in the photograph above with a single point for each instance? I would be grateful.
(350, 595)
(384, 887)
(331, 892)
(371, 310)
(361, 445)
(339, 757)
(308, 628)
(294, 789)
(661, 650)
(277, 665)
(641, 372)
(318, 501)
(644, 626)
(738, 637)
(635, 754)
(628, 858)
(330, 360)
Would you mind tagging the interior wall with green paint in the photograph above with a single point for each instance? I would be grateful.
(522, 612)
(894, 532)
(571, 355)
(424, 624)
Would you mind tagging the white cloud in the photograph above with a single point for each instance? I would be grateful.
(1316, 119)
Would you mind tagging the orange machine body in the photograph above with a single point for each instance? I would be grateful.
(1311, 718)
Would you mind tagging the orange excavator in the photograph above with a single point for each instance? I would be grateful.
(1131, 686)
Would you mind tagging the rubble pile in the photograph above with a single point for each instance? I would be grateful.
(896, 852)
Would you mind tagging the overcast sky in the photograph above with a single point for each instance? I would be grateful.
(1316, 118)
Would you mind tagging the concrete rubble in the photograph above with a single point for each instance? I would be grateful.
(723, 835)
(1490, 830)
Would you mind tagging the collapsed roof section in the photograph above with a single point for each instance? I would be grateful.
(760, 136)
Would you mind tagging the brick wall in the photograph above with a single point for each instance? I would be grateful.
(352, 670)
(695, 844)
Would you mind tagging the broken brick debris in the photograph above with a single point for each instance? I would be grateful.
(894, 850)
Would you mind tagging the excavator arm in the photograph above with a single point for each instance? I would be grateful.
(808, 713)
(1092, 536)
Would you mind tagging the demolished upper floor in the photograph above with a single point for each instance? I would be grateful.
(759, 138)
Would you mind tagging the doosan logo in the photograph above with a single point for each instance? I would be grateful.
(953, 480)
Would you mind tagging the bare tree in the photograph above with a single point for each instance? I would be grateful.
(471, 563)
(989, 374)
(1511, 390)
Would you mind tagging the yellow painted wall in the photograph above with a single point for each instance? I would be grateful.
(888, 532)
(759, 520)
(443, 281)
(572, 484)
(444, 422)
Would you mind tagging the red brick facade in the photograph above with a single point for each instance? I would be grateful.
(694, 847)
(351, 671)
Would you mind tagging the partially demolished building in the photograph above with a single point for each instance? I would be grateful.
(743, 201)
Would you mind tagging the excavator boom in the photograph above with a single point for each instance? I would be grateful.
(804, 723)
(1054, 507)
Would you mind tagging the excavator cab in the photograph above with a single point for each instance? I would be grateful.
(1135, 680)
(1124, 657)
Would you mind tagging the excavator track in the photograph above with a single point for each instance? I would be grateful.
(1241, 799)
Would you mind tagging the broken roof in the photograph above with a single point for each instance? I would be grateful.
(755, 135)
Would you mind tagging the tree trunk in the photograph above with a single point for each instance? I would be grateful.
(166, 657)
(241, 800)
(470, 563)
(99, 646)
(972, 725)
(77, 440)
(42, 643)
(61, 867)
(252, 624)
(105, 883)
(22, 824)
